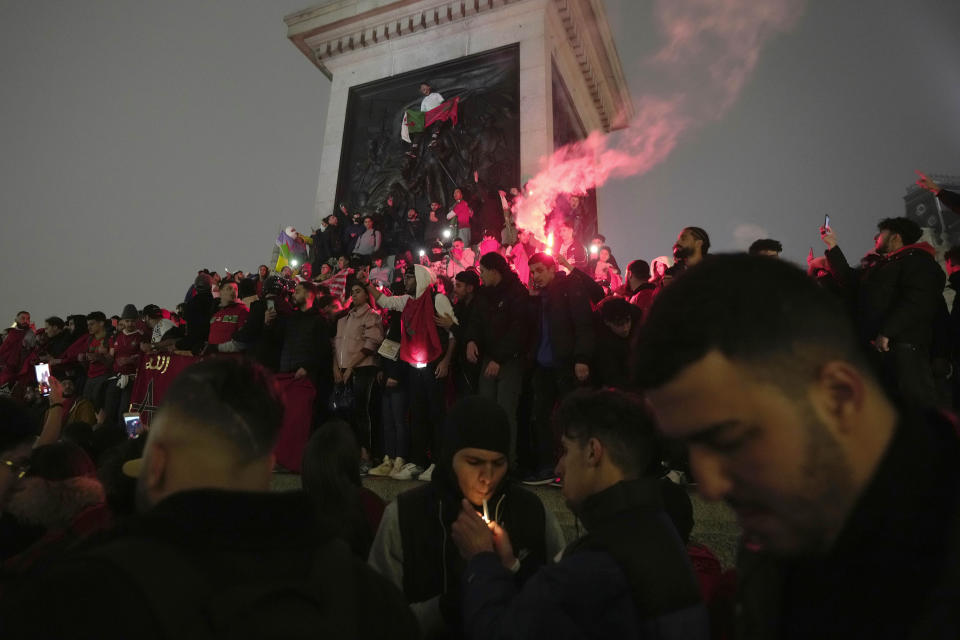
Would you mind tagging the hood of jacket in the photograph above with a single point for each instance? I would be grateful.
(425, 278)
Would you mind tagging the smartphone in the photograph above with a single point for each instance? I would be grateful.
(43, 378)
(131, 421)
(594, 249)
(826, 221)
(271, 305)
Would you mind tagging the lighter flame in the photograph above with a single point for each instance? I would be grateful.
(711, 49)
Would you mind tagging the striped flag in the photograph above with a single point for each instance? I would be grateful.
(338, 283)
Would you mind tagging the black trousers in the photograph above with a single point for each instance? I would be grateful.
(427, 411)
(550, 386)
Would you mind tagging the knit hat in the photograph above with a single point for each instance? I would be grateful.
(61, 461)
(129, 313)
(468, 276)
(478, 423)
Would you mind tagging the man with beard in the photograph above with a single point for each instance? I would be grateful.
(307, 349)
(897, 300)
(691, 247)
(20, 339)
(849, 503)
(214, 552)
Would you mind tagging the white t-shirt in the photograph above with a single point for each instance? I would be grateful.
(431, 101)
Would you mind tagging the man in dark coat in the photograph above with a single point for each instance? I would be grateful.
(498, 337)
(215, 553)
(629, 577)
(563, 348)
(897, 301)
(850, 504)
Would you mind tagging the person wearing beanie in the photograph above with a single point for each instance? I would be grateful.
(413, 547)
(628, 576)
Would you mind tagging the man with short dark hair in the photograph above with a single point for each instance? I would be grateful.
(898, 298)
(58, 339)
(229, 317)
(498, 338)
(96, 355)
(214, 552)
(637, 288)
(466, 373)
(628, 577)
(307, 349)
(563, 350)
(849, 502)
(766, 247)
(570, 247)
(617, 323)
(369, 241)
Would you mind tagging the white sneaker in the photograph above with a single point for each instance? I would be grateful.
(382, 469)
(408, 471)
(427, 475)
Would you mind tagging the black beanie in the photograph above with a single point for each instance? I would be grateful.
(61, 461)
(479, 423)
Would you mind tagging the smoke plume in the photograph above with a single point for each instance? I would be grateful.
(711, 48)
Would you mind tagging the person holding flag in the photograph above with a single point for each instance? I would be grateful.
(292, 249)
(433, 109)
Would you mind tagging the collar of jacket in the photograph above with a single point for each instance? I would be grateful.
(212, 517)
(626, 495)
(926, 247)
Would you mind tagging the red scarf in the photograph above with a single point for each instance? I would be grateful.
(419, 342)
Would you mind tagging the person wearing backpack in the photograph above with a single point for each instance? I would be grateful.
(214, 553)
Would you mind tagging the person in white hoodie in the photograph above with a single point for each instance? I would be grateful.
(428, 349)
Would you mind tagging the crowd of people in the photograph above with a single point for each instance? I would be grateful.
(818, 405)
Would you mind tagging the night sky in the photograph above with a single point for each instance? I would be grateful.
(142, 141)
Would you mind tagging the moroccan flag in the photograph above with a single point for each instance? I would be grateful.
(416, 121)
(154, 376)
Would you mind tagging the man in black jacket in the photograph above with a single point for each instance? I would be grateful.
(215, 553)
(563, 349)
(498, 335)
(850, 504)
(629, 577)
(897, 301)
(197, 313)
(307, 349)
(617, 324)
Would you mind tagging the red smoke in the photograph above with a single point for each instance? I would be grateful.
(711, 48)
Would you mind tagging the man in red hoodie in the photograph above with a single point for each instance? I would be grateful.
(898, 297)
